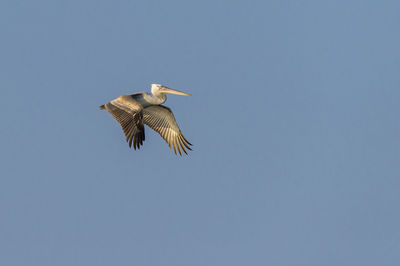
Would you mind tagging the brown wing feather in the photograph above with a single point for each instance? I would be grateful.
(129, 114)
(161, 119)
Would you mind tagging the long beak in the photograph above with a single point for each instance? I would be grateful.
(168, 90)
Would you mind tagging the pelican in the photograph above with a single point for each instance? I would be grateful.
(134, 110)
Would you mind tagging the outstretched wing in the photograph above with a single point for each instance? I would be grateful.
(129, 113)
(162, 120)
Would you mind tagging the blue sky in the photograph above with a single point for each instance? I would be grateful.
(294, 119)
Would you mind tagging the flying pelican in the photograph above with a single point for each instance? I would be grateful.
(134, 110)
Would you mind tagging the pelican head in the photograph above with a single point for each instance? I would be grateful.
(158, 88)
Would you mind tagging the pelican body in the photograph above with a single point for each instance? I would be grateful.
(134, 110)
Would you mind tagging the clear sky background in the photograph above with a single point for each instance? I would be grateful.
(294, 119)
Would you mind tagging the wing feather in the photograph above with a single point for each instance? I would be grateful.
(129, 114)
(161, 119)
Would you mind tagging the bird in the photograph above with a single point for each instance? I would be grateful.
(133, 111)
